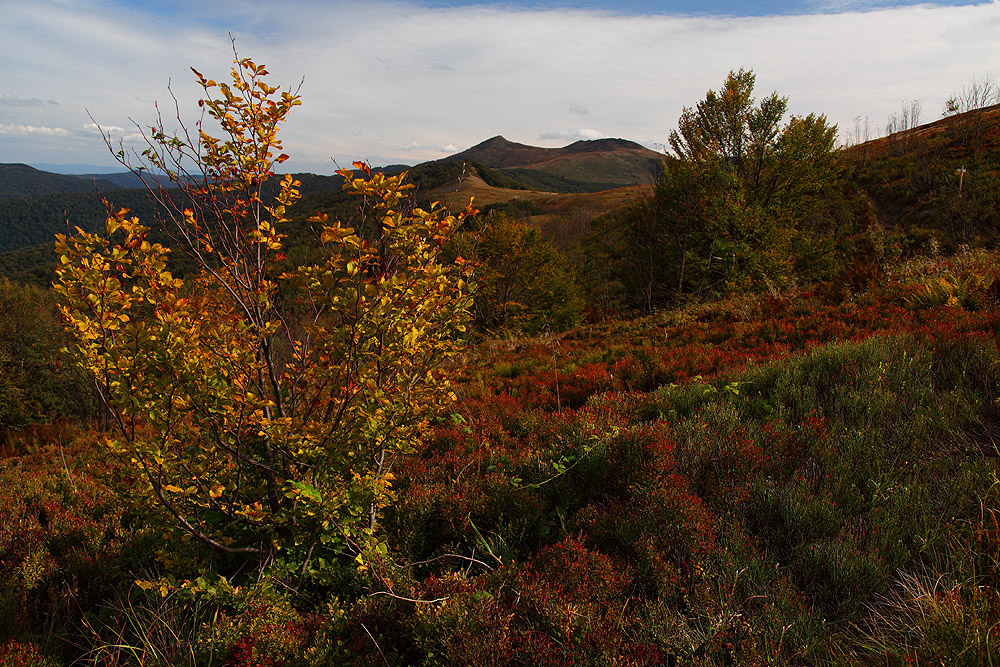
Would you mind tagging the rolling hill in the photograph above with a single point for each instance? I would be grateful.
(127, 179)
(910, 178)
(936, 181)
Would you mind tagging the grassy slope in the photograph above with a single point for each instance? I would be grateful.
(768, 481)
(622, 168)
(912, 177)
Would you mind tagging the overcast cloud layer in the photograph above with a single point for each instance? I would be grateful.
(400, 83)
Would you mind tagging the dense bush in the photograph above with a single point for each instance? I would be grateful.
(525, 283)
(264, 410)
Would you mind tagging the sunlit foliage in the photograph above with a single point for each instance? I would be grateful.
(264, 411)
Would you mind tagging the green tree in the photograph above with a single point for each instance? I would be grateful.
(775, 165)
(742, 201)
(760, 183)
(264, 411)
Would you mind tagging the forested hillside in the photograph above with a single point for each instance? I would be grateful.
(31, 221)
(745, 414)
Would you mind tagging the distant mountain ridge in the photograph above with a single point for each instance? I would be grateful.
(75, 168)
(126, 179)
(586, 165)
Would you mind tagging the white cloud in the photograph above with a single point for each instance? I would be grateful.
(837, 6)
(380, 73)
(104, 128)
(417, 146)
(15, 101)
(33, 129)
(410, 146)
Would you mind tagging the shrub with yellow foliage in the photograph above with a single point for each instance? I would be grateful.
(262, 411)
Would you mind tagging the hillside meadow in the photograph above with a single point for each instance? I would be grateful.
(806, 477)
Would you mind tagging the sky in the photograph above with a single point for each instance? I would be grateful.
(402, 82)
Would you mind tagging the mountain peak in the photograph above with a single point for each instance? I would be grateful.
(498, 140)
(499, 152)
(609, 144)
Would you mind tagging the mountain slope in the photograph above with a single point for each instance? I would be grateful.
(20, 180)
(29, 221)
(561, 216)
(559, 190)
(497, 152)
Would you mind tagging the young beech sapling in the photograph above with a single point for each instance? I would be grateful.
(263, 411)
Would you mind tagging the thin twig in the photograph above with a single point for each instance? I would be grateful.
(442, 556)
(377, 647)
(406, 599)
